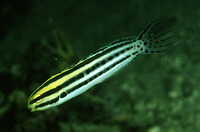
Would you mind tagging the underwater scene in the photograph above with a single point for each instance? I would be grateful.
(99, 66)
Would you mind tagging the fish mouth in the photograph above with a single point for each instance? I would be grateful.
(32, 108)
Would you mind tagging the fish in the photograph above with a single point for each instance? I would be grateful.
(157, 37)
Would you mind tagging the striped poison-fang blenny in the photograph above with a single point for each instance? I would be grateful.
(157, 37)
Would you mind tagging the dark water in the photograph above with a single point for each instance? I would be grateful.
(155, 93)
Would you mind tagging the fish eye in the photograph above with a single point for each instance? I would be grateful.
(63, 94)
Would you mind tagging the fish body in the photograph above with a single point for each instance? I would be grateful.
(155, 38)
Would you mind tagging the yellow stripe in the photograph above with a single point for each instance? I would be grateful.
(63, 79)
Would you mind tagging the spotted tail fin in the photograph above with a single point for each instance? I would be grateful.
(158, 37)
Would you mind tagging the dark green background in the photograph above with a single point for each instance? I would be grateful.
(155, 93)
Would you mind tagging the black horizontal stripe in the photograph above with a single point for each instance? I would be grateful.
(52, 91)
(45, 94)
(73, 79)
(47, 103)
(89, 69)
(134, 53)
(97, 75)
(86, 61)
(81, 75)
(64, 94)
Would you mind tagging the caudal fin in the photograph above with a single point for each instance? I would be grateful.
(158, 37)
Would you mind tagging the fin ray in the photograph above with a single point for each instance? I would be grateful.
(158, 36)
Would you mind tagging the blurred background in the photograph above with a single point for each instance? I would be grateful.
(155, 93)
